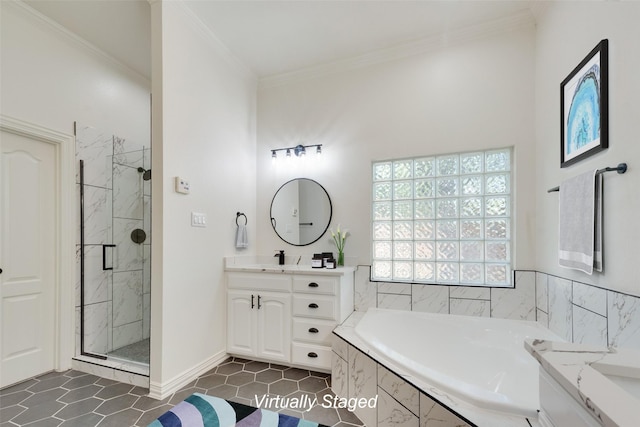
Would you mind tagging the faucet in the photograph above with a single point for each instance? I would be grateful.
(280, 257)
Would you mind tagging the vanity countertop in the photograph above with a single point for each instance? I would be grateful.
(262, 264)
(586, 372)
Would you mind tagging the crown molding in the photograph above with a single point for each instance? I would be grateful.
(49, 24)
(508, 24)
(539, 8)
(208, 35)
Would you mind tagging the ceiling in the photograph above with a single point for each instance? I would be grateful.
(274, 37)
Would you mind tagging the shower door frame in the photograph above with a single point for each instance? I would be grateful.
(82, 305)
(93, 339)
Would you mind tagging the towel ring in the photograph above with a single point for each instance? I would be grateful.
(238, 215)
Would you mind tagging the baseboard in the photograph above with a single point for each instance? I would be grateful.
(162, 390)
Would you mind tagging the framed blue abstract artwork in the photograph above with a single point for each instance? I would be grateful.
(584, 107)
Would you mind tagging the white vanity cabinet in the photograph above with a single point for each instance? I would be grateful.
(297, 313)
(259, 320)
(318, 307)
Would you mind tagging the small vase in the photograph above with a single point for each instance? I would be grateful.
(341, 259)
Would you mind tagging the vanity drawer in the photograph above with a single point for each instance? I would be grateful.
(257, 281)
(316, 306)
(311, 355)
(315, 285)
(313, 330)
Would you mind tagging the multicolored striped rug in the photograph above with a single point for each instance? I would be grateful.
(199, 410)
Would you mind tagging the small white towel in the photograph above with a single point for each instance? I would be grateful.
(241, 237)
(580, 231)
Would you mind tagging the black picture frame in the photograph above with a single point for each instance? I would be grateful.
(584, 107)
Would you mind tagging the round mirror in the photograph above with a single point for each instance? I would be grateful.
(301, 211)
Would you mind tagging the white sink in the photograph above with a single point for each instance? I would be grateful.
(624, 375)
(270, 267)
(605, 382)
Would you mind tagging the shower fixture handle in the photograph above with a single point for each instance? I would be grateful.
(104, 257)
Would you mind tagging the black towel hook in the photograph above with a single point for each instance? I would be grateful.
(238, 215)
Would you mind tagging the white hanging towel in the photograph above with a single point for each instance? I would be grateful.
(241, 237)
(580, 231)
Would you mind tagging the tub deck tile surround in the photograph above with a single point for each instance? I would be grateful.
(361, 384)
(406, 395)
(397, 394)
(390, 413)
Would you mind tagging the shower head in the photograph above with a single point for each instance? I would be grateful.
(146, 173)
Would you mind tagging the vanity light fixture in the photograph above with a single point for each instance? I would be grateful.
(299, 150)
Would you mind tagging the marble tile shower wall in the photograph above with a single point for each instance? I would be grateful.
(117, 201)
(575, 311)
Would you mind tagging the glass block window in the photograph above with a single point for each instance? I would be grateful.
(443, 219)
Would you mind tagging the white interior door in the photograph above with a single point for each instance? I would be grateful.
(28, 257)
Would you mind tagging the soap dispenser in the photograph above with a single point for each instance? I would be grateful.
(280, 257)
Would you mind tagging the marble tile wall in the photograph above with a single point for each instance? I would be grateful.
(588, 314)
(116, 201)
(399, 404)
(514, 303)
(576, 311)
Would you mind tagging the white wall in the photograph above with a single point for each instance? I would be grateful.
(566, 32)
(52, 79)
(204, 126)
(473, 95)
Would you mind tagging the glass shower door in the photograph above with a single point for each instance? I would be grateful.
(115, 193)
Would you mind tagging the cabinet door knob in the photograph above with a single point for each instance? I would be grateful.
(259, 302)
(313, 305)
(313, 330)
(252, 304)
(313, 285)
(312, 354)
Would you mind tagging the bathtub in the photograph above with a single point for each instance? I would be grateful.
(481, 361)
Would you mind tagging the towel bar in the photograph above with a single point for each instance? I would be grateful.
(238, 215)
(621, 168)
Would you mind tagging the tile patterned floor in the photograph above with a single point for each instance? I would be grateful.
(76, 399)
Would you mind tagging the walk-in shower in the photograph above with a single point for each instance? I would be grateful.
(113, 247)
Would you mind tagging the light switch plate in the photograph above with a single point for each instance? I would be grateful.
(198, 219)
